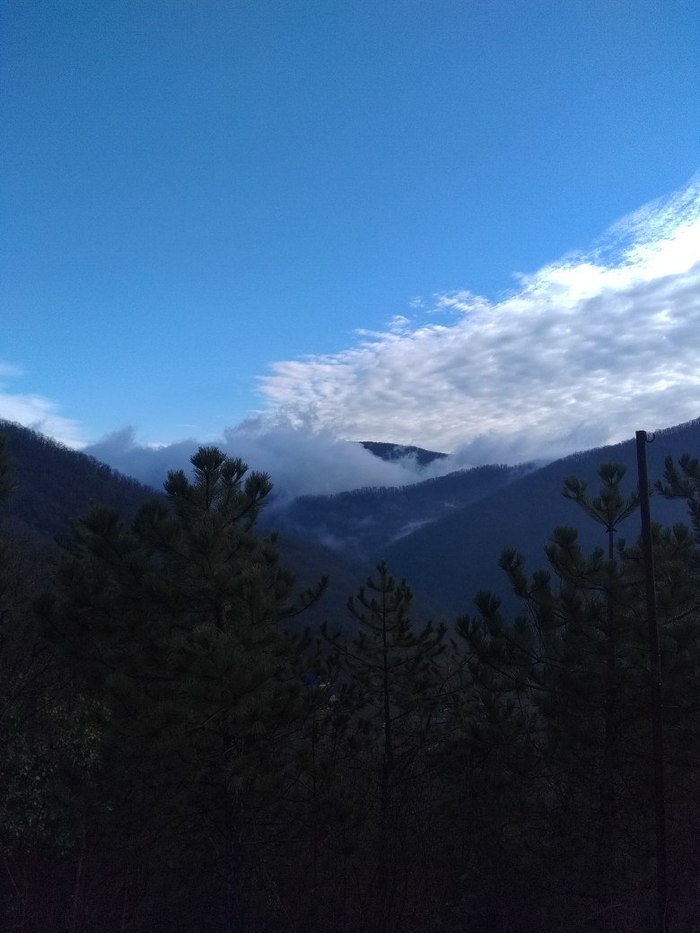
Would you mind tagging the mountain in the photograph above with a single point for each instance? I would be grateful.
(392, 452)
(364, 523)
(445, 535)
(55, 484)
(458, 555)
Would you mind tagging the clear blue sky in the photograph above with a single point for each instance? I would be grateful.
(193, 191)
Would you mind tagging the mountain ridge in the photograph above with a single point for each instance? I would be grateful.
(390, 452)
(443, 534)
(524, 515)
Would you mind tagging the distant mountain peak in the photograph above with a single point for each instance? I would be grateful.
(391, 452)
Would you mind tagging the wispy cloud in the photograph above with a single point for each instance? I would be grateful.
(580, 353)
(35, 411)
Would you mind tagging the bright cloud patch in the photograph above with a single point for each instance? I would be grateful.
(583, 352)
(299, 461)
(36, 411)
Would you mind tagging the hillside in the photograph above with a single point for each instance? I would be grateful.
(364, 523)
(445, 535)
(400, 451)
(55, 484)
(458, 555)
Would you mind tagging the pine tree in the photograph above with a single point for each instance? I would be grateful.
(176, 624)
(394, 682)
(609, 508)
(575, 665)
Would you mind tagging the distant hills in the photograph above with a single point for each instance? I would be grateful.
(444, 535)
(400, 451)
(458, 555)
(364, 523)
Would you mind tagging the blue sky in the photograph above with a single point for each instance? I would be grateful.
(217, 209)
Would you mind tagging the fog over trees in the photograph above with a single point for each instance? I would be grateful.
(181, 750)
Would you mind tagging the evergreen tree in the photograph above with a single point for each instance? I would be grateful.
(609, 508)
(175, 624)
(574, 665)
(394, 686)
(683, 481)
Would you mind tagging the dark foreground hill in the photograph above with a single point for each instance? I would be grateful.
(55, 485)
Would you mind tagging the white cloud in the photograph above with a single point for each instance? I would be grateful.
(36, 411)
(298, 460)
(580, 354)
(399, 324)
(583, 352)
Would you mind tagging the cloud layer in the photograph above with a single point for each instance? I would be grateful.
(299, 461)
(581, 353)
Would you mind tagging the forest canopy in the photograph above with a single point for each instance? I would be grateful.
(177, 753)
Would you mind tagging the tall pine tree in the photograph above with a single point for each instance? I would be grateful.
(176, 624)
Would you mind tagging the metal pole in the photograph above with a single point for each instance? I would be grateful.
(654, 683)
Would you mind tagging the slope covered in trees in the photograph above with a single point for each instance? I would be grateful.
(54, 483)
(458, 554)
(177, 755)
(401, 451)
(363, 523)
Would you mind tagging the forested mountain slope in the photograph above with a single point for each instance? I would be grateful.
(362, 524)
(458, 555)
(444, 535)
(176, 759)
(391, 452)
(54, 485)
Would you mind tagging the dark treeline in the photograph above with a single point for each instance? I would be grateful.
(177, 755)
